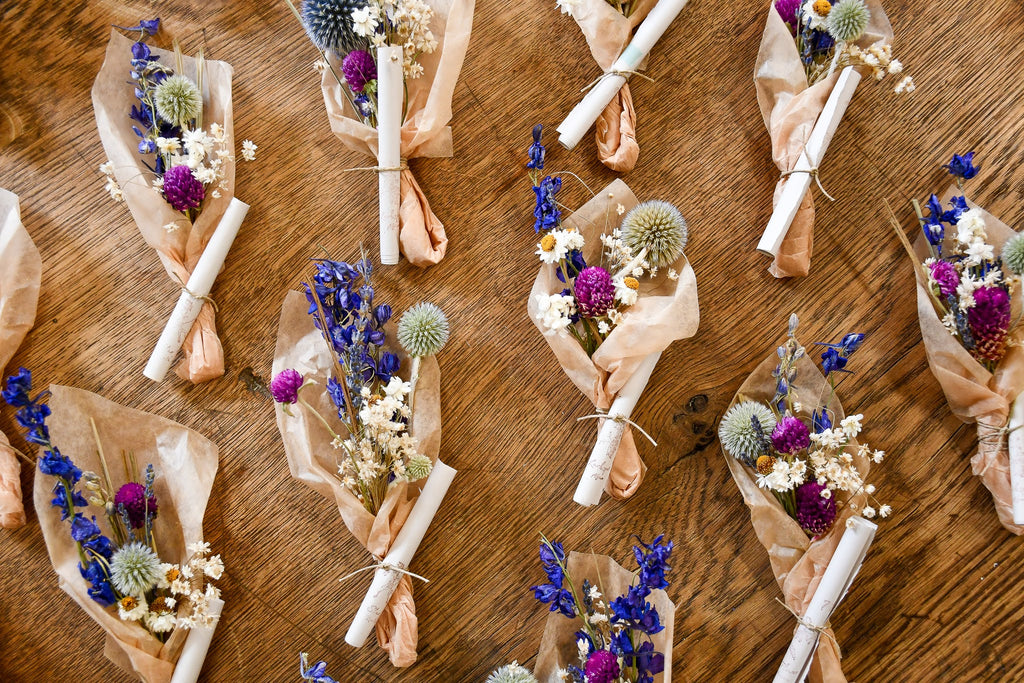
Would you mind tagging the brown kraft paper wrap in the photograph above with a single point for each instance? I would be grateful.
(790, 108)
(20, 272)
(974, 394)
(313, 461)
(608, 33)
(798, 562)
(185, 465)
(558, 644)
(665, 311)
(425, 130)
(112, 98)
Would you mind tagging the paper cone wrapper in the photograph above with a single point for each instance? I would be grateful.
(20, 271)
(665, 311)
(425, 130)
(790, 108)
(558, 644)
(798, 562)
(313, 461)
(113, 95)
(185, 465)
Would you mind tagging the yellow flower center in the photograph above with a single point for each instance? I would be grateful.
(173, 575)
(822, 7)
(159, 605)
(128, 603)
(631, 282)
(765, 464)
(547, 242)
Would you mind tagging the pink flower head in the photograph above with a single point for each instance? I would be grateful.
(595, 292)
(358, 68)
(133, 497)
(945, 276)
(182, 190)
(814, 514)
(790, 435)
(602, 667)
(285, 387)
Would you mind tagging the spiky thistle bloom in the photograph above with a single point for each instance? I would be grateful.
(423, 330)
(659, 228)
(512, 673)
(595, 292)
(790, 435)
(182, 189)
(989, 322)
(418, 467)
(285, 387)
(178, 100)
(944, 275)
(133, 497)
(359, 69)
(814, 514)
(1013, 254)
(848, 20)
(330, 26)
(602, 667)
(739, 437)
(134, 569)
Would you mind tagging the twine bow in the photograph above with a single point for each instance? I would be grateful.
(625, 73)
(993, 436)
(403, 164)
(603, 415)
(813, 172)
(386, 566)
(198, 297)
(820, 630)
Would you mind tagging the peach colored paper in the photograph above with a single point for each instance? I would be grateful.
(798, 562)
(185, 465)
(20, 272)
(313, 461)
(790, 108)
(558, 644)
(112, 98)
(665, 311)
(974, 394)
(608, 33)
(425, 130)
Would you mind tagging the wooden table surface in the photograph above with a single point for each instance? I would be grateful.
(939, 598)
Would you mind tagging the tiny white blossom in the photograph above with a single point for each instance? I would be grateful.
(249, 150)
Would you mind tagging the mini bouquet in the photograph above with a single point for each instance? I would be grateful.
(388, 75)
(794, 456)
(166, 127)
(20, 272)
(811, 58)
(141, 569)
(968, 267)
(608, 27)
(356, 432)
(625, 639)
(608, 323)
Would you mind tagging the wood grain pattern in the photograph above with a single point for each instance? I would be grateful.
(938, 598)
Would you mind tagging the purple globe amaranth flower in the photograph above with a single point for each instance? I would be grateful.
(814, 514)
(133, 497)
(182, 190)
(358, 68)
(602, 667)
(595, 293)
(945, 276)
(285, 387)
(788, 9)
(989, 322)
(790, 435)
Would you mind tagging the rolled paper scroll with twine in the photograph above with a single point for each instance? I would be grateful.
(20, 272)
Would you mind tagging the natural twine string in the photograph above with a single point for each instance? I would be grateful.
(820, 630)
(993, 436)
(382, 564)
(198, 297)
(626, 73)
(403, 165)
(603, 415)
(813, 172)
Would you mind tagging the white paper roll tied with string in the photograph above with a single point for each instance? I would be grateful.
(197, 644)
(385, 579)
(599, 465)
(195, 291)
(584, 114)
(835, 582)
(799, 179)
(390, 101)
(1015, 446)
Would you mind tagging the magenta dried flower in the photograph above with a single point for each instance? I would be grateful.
(945, 276)
(285, 387)
(602, 667)
(133, 497)
(814, 514)
(989, 321)
(788, 10)
(790, 435)
(595, 292)
(358, 68)
(182, 190)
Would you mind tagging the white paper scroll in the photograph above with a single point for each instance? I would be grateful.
(583, 116)
(838, 576)
(599, 466)
(1016, 449)
(199, 285)
(400, 555)
(197, 644)
(390, 100)
(799, 181)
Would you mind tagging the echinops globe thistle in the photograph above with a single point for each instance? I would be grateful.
(178, 100)
(423, 330)
(848, 20)
(512, 673)
(737, 433)
(418, 467)
(134, 569)
(1013, 254)
(659, 228)
(330, 26)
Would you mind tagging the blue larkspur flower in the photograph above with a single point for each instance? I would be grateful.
(546, 214)
(962, 166)
(61, 501)
(100, 589)
(559, 598)
(536, 151)
(83, 528)
(634, 612)
(820, 421)
(18, 386)
(55, 464)
(316, 673)
(836, 355)
(957, 207)
(147, 26)
(652, 558)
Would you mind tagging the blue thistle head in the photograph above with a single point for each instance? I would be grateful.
(329, 24)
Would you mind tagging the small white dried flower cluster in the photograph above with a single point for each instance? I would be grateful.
(556, 311)
(112, 188)
(398, 22)
(834, 467)
(879, 59)
(204, 153)
(555, 245)
(785, 475)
